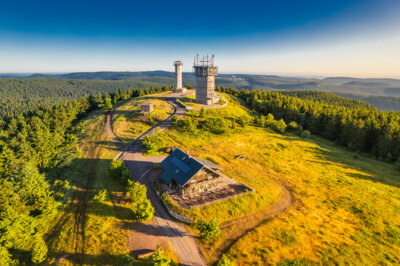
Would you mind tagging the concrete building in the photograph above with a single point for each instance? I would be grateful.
(178, 73)
(146, 108)
(205, 71)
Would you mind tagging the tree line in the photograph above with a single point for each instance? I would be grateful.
(36, 151)
(350, 123)
(19, 96)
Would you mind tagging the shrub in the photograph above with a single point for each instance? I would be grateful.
(143, 211)
(188, 124)
(280, 126)
(202, 112)
(39, 251)
(209, 231)
(118, 170)
(141, 206)
(293, 125)
(215, 125)
(244, 120)
(137, 192)
(260, 121)
(174, 119)
(152, 143)
(296, 262)
(101, 196)
(305, 134)
(159, 259)
(225, 261)
(151, 120)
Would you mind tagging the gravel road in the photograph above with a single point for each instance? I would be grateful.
(163, 228)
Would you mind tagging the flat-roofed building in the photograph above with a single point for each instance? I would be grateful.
(146, 108)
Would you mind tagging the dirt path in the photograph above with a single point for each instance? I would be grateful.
(147, 236)
(79, 201)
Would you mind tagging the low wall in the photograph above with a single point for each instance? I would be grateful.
(171, 212)
(222, 199)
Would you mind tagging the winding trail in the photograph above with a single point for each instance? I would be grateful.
(145, 237)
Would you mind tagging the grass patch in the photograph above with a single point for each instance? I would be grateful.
(129, 124)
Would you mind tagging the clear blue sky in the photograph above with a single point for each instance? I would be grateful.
(308, 37)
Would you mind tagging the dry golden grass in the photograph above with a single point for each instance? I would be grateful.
(346, 209)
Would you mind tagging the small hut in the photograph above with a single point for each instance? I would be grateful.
(146, 108)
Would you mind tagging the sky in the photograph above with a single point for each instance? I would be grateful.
(359, 38)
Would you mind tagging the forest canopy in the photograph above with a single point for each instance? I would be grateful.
(19, 96)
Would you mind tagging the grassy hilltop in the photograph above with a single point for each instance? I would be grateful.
(345, 207)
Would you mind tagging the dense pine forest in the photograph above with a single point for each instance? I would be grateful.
(350, 123)
(23, 95)
(36, 151)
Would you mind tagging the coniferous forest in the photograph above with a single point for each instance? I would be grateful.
(350, 123)
(22, 95)
(36, 151)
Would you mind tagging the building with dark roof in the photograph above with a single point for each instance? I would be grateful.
(189, 175)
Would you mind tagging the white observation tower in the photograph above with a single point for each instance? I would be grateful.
(178, 73)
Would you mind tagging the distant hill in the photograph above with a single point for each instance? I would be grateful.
(356, 87)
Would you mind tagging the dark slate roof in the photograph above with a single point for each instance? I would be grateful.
(209, 164)
(180, 167)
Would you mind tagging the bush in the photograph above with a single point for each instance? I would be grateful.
(188, 124)
(141, 206)
(209, 231)
(202, 112)
(137, 192)
(118, 170)
(101, 196)
(152, 143)
(280, 126)
(151, 120)
(159, 259)
(296, 262)
(225, 261)
(215, 125)
(293, 125)
(174, 119)
(39, 251)
(305, 134)
(143, 211)
(244, 120)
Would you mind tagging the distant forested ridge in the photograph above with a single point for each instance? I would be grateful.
(36, 154)
(384, 103)
(18, 96)
(87, 83)
(360, 127)
(328, 98)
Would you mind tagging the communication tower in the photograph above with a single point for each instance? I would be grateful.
(205, 72)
